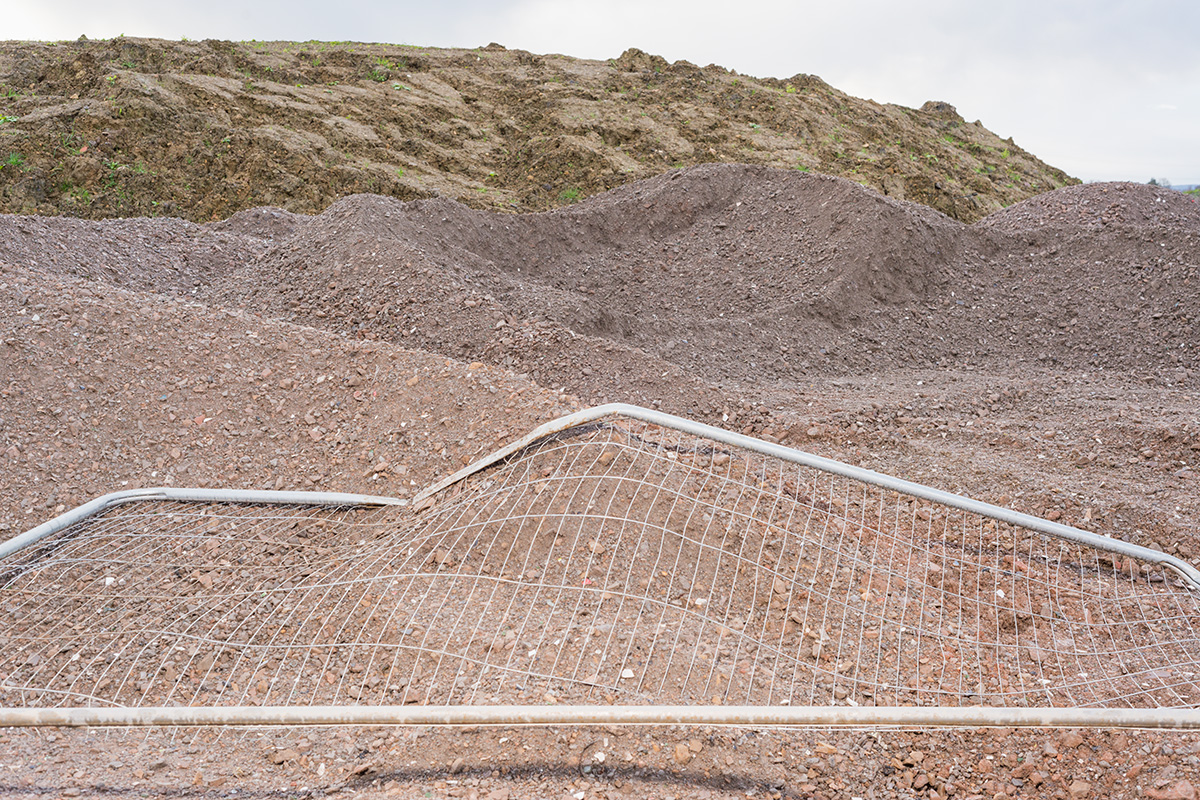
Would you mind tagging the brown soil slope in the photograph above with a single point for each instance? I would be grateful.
(719, 273)
(131, 127)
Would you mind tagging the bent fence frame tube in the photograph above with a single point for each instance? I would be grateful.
(249, 496)
(751, 716)
(1189, 573)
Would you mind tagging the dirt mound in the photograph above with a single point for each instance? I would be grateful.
(737, 273)
(1097, 206)
(143, 127)
(725, 271)
(713, 274)
(166, 255)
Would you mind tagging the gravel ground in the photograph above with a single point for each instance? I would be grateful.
(291, 352)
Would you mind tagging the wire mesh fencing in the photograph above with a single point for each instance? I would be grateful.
(615, 563)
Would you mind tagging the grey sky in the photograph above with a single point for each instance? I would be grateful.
(1103, 89)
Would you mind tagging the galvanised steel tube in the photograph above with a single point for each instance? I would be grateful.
(756, 716)
(107, 501)
(1188, 572)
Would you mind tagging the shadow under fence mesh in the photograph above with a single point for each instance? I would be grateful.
(613, 563)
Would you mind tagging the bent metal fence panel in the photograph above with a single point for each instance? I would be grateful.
(619, 565)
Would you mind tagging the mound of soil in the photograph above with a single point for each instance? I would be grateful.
(747, 274)
(145, 127)
(716, 274)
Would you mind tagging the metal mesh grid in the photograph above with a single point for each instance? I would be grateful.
(615, 563)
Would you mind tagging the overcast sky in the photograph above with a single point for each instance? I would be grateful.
(1103, 89)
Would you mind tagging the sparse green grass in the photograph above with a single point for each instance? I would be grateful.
(14, 160)
(570, 195)
(78, 194)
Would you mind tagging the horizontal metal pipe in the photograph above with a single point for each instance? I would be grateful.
(103, 503)
(755, 716)
(1188, 572)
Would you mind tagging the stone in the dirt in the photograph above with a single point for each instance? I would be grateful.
(683, 753)
(1080, 789)
(283, 756)
(1180, 790)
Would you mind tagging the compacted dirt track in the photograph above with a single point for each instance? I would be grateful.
(1042, 358)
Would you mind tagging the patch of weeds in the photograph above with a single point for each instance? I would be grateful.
(14, 160)
(140, 168)
(399, 86)
(78, 194)
(400, 172)
(570, 194)
(1004, 153)
(789, 89)
(6, 120)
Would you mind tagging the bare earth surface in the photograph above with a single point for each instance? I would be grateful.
(147, 127)
(1042, 358)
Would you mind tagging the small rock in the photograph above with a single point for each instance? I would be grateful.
(283, 756)
(456, 766)
(1080, 789)
(1180, 790)
(682, 753)
(695, 745)
(1072, 739)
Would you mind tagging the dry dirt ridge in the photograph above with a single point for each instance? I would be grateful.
(144, 127)
(712, 274)
(274, 350)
